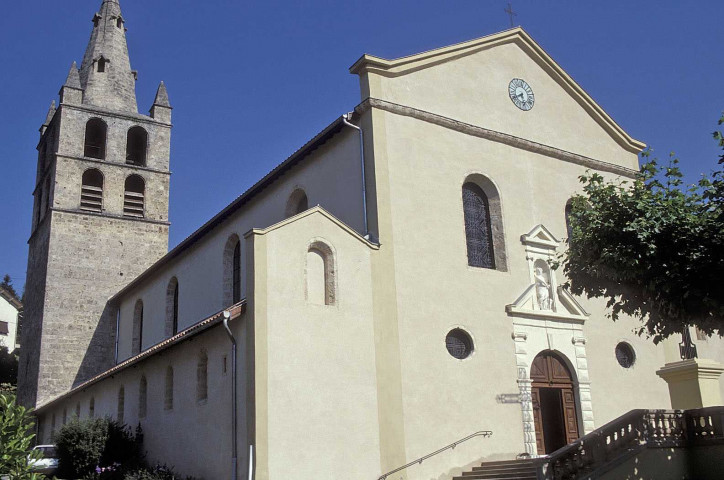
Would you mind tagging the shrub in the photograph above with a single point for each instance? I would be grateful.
(80, 447)
(97, 448)
(16, 439)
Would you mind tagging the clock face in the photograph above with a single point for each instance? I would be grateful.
(521, 94)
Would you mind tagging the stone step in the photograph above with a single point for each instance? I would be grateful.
(510, 474)
(486, 477)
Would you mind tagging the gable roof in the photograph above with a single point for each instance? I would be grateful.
(11, 299)
(412, 63)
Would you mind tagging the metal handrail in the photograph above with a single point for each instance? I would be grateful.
(483, 433)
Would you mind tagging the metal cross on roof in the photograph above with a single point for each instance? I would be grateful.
(511, 13)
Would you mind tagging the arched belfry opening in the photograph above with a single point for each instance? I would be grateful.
(136, 146)
(554, 402)
(95, 139)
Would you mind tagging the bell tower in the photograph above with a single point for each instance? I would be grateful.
(100, 215)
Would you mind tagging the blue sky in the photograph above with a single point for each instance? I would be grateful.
(252, 81)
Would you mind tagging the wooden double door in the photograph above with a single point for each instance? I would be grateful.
(554, 403)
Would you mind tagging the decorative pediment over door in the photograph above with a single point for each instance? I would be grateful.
(544, 298)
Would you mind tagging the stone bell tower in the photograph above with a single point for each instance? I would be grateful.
(100, 216)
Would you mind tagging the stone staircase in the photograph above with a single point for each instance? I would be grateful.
(502, 470)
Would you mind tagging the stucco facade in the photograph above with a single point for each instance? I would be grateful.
(344, 307)
(9, 307)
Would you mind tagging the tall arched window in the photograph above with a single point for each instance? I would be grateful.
(232, 271)
(91, 191)
(121, 404)
(202, 385)
(297, 203)
(137, 340)
(321, 274)
(142, 397)
(172, 308)
(168, 391)
(133, 197)
(95, 139)
(483, 224)
(136, 146)
(478, 231)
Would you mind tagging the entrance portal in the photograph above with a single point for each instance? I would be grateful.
(554, 405)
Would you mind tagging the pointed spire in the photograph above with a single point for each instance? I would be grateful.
(162, 96)
(105, 73)
(73, 80)
(51, 113)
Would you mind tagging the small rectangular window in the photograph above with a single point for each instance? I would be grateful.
(4, 328)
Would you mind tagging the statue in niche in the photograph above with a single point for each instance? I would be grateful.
(542, 289)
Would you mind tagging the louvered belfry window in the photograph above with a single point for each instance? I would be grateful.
(91, 193)
(133, 197)
(478, 231)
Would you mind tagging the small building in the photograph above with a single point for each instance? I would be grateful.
(10, 308)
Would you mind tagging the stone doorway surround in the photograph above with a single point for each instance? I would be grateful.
(547, 317)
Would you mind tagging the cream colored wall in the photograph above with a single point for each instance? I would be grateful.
(330, 177)
(319, 398)
(445, 399)
(474, 89)
(194, 437)
(8, 314)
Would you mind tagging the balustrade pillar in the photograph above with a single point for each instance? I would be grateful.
(693, 383)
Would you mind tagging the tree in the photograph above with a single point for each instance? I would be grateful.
(16, 439)
(651, 247)
(8, 370)
(7, 284)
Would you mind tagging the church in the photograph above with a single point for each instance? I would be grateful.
(383, 292)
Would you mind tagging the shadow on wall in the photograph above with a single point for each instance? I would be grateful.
(701, 463)
(100, 355)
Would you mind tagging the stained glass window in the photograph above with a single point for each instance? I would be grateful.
(478, 231)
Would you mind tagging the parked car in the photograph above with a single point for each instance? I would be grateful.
(47, 464)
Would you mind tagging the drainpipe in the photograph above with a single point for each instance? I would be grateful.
(118, 329)
(234, 459)
(345, 119)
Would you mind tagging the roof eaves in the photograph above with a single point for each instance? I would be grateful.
(236, 311)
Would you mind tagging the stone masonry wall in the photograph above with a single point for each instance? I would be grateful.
(91, 257)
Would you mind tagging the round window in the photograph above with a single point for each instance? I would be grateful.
(625, 355)
(459, 343)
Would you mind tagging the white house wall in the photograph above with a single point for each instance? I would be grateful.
(9, 314)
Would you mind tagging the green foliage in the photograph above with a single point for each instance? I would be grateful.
(16, 440)
(651, 247)
(80, 446)
(7, 284)
(97, 448)
(8, 367)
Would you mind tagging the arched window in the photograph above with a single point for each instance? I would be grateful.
(133, 197)
(121, 404)
(232, 271)
(569, 228)
(202, 385)
(137, 341)
(92, 408)
(321, 274)
(142, 397)
(136, 146)
(172, 308)
(168, 391)
(95, 139)
(297, 203)
(91, 191)
(483, 224)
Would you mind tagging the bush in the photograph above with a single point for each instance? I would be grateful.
(97, 448)
(16, 439)
(80, 447)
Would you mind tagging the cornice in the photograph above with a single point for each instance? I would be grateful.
(494, 136)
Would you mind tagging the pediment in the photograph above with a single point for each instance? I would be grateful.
(565, 309)
(522, 52)
(540, 236)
